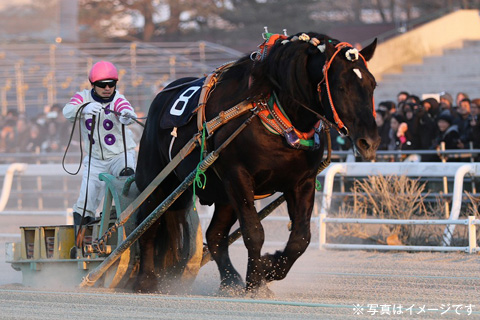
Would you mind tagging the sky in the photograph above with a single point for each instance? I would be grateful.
(4, 3)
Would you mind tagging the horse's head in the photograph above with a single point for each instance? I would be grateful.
(346, 92)
(329, 78)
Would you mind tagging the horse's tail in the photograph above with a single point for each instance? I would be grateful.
(170, 237)
(173, 243)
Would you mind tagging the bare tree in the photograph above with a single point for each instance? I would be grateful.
(167, 19)
(27, 19)
(136, 18)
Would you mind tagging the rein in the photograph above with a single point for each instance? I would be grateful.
(339, 123)
(80, 233)
(77, 117)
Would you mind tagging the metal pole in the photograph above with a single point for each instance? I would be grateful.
(172, 63)
(133, 64)
(8, 86)
(201, 51)
(445, 182)
(474, 188)
(52, 94)
(322, 234)
(472, 235)
(20, 87)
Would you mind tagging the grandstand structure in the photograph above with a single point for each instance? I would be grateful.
(35, 76)
(454, 70)
(439, 55)
(434, 56)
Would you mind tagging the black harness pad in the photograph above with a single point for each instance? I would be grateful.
(185, 101)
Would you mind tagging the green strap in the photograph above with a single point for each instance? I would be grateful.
(200, 178)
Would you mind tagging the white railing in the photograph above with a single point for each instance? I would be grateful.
(33, 170)
(9, 172)
(423, 169)
(471, 222)
(458, 171)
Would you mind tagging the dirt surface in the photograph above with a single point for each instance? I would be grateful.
(322, 285)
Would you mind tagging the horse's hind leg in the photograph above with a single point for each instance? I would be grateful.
(146, 280)
(217, 240)
(300, 206)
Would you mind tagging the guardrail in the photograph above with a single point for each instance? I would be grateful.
(37, 171)
(456, 170)
(74, 157)
(471, 222)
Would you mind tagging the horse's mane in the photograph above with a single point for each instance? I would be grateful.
(284, 69)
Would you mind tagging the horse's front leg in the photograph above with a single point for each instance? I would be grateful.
(240, 191)
(300, 205)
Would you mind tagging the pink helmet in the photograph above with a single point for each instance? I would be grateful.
(103, 70)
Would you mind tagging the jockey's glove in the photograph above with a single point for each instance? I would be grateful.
(127, 116)
(92, 108)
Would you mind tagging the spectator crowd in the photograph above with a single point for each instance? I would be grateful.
(414, 124)
(437, 120)
(47, 132)
(407, 124)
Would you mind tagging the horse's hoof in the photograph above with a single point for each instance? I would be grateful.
(232, 287)
(228, 291)
(274, 267)
(262, 292)
(145, 286)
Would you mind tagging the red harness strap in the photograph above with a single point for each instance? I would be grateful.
(326, 67)
(276, 121)
(268, 44)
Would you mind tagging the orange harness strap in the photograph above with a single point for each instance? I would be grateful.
(209, 83)
(276, 121)
(326, 67)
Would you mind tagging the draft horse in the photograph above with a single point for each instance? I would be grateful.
(311, 82)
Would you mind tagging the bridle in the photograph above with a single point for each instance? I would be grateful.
(352, 54)
(341, 128)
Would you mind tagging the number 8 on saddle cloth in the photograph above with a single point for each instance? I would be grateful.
(185, 101)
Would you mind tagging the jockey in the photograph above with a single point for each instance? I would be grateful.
(111, 111)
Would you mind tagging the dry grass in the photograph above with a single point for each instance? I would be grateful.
(472, 208)
(394, 197)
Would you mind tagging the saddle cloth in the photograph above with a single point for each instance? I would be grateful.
(183, 108)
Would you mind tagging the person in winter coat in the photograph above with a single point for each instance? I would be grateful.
(103, 114)
(382, 119)
(399, 135)
(448, 132)
(424, 126)
(431, 106)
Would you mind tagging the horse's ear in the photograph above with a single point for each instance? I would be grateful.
(368, 51)
(329, 48)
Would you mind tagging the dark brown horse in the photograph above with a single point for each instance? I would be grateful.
(310, 77)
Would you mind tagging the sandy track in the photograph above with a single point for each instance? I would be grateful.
(322, 285)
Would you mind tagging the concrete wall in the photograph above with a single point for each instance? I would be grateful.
(446, 32)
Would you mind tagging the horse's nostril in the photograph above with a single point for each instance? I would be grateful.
(363, 144)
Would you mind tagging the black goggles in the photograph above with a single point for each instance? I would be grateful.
(104, 83)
